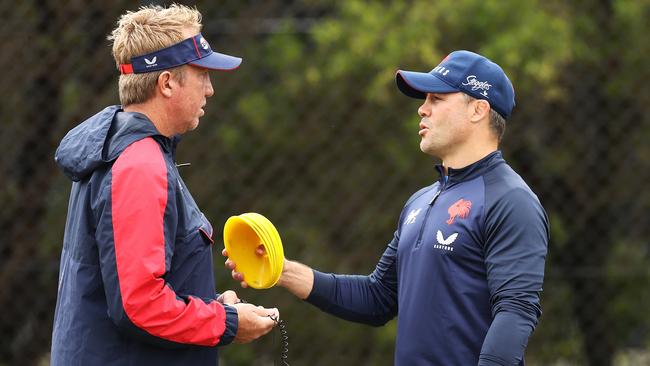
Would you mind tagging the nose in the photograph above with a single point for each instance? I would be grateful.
(209, 91)
(424, 110)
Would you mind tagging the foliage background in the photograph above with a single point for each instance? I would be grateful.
(312, 132)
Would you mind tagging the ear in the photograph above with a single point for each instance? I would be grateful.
(479, 110)
(165, 84)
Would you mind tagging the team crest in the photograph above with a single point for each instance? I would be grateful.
(460, 209)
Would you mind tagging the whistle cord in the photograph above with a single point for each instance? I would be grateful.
(284, 340)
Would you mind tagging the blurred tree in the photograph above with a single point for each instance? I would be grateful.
(588, 174)
(43, 103)
(39, 108)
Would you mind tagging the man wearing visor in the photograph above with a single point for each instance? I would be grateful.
(136, 283)
(464, 270)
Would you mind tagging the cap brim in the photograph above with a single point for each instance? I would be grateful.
(218, 61)
(418, 84)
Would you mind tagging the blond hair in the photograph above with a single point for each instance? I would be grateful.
(149, 29)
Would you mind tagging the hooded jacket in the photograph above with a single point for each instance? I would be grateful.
(463, 272)
(136, 283)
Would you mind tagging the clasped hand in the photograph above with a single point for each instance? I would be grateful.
(253, 321)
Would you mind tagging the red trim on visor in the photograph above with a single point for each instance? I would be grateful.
(196, 47)
(138, 200)
(126, 69)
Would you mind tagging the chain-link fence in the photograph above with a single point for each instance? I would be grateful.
(312, 132)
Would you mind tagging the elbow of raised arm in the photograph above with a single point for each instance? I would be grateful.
(381, 320)
(527, 307)
(372, 319)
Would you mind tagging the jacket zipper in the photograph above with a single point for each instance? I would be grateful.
(426, 216)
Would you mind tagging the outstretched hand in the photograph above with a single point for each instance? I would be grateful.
(232, 266)
(296, 277)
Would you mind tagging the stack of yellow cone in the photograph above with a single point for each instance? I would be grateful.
(242, 235)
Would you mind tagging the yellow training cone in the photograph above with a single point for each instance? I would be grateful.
(242, 235)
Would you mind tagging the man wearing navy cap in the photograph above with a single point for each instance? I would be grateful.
(464, 270)
(136, 283)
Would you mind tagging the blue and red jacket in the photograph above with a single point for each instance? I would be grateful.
(136, 283)
(463, 273)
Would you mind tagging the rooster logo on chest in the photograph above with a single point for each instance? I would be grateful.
(459, 209)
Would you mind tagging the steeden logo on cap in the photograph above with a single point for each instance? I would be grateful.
(478, 85)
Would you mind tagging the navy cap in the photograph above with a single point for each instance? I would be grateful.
(194, 51)
(462, 71)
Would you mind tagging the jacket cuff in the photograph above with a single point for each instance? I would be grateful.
(322, 290)
(232, 323)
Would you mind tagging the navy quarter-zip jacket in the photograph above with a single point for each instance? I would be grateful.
(463, 272)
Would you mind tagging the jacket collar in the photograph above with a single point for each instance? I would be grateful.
(101, 139)
(471, 171)
(135, 125)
